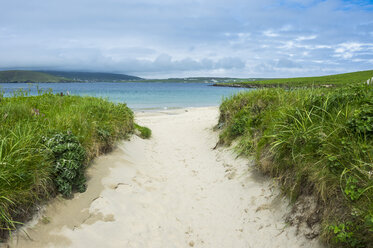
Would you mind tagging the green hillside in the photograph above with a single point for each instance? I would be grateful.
(209, 80)
(92, 76)
(18, 76)
(22, 76)
(323, 81)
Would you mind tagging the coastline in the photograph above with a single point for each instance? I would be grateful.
(171, 190)
(263, 86)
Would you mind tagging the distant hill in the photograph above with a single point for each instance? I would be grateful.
(202, 80)
(323, 81)
(18, 76)
(22, 76)
(92, 76)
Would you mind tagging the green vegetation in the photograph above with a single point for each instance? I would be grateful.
(68, 162)
(46, 142)
(144, 132)
(209, 80)
(28, 77)
(19, 76)
(316, 142)
(92, 76)
(324, 81)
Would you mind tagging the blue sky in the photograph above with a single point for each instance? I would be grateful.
(168, 38)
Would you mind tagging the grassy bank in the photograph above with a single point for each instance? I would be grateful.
(317, 143)
(46, 142)
(324, 81)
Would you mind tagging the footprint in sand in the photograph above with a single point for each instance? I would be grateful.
(263, 207)
(118, 184)
(230, 171)
(194, 173)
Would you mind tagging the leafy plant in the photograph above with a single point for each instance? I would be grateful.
(362, 120)
(352, 189)
(68, 167)
(343, 234)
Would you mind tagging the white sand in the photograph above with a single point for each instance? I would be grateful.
(173, 190)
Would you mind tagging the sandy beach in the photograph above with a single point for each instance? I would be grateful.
(173, 190)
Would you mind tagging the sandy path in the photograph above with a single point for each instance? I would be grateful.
(170, 191)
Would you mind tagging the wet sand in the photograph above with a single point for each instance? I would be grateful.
(173, 190)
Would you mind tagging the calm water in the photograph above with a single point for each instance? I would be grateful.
(139, 96)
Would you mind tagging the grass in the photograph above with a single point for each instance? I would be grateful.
(45, 142)
(324, 81)
(144, 132)
(315, 142)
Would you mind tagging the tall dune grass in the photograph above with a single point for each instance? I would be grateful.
(27, 164)
(316, 142)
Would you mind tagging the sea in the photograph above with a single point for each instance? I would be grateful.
(144, 96)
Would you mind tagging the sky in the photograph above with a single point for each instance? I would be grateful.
(180, 38)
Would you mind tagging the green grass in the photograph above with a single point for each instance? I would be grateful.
(315, 142)
(45, 142)
(324, 81)
(144, 132)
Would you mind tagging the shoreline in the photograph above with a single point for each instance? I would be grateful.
(268, 86)
(173, 110)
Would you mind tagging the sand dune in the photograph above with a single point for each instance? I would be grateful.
(173, 190)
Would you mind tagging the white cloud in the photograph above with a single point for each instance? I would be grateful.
(348, 50)
(170, 38)
(310, 37)
(270, 33)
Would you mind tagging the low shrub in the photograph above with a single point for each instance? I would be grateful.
(68, 163)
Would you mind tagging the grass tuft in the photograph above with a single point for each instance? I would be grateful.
(144, 132)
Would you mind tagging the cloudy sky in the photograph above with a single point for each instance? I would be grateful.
(177, 38)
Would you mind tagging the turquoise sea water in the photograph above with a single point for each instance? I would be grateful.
(138, 96)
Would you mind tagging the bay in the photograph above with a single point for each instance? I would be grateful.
(138, 96)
